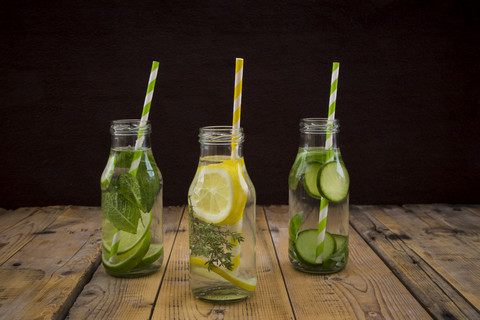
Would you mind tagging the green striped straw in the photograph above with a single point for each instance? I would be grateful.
(138, 144)
(322, 216)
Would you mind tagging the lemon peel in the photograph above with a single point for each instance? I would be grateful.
(248, 285)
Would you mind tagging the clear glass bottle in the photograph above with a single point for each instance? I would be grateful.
(221, 203)
(131, 185)
(318, 200)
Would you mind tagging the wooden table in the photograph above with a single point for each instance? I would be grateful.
(406, 262)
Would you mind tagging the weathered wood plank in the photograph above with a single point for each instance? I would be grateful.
(430, 288)
(20, 226)
(366, 289)
(106, 297)
(2, 211)
(12, 217)
(470, 207)
(448, 240)
(43, 278)
(270, 301)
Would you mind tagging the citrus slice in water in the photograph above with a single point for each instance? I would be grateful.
(122, 263)
(154, 252)
(247, 284)
(127, 240)
(217, 194)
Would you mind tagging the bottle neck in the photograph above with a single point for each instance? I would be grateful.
(221, 141)
(130, 134)
(319, 133)
(318, 140)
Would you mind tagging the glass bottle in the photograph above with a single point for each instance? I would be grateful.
(318, 200)
(131, 185)
(221, 205)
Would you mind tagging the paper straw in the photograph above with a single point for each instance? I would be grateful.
(143, 120)
(322, 216)
(237, 109)
(138, 145)
(237, 103)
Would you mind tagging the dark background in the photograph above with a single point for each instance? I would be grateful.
(408, 98)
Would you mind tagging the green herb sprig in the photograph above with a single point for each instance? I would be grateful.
(213, 242)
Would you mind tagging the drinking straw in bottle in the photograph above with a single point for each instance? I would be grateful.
(138, 144)
(237, 102)
(322, 216)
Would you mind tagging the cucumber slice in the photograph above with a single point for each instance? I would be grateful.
(310, 179)
(333, 181)
(306, 245)
(340, 240)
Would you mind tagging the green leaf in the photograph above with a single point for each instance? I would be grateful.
(148, 180)
(130, 189)
(295, 224)
(121, 213)
(124, 159)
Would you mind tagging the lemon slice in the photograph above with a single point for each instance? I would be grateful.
(249, 284)
(218, 195)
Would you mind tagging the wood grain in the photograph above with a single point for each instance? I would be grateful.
(12, 217)
(43, 277)
(447, 239)
(472, 208)
(270, 300)
(366, 289)
(20, 226)
(106, 297)
(429, 287)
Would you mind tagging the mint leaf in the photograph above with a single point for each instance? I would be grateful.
(149, 181)
(295, 224)
(124, 159)
(120, 212)
(130, 189)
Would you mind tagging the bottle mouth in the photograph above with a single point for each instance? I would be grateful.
(130, 126)
(220, 135)
(319, 125)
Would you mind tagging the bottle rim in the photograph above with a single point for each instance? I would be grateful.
(129, 127)
(319, 125)
(222, 135)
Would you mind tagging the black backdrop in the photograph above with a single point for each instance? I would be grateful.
(408, 98)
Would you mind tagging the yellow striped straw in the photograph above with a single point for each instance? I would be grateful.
(237, 102)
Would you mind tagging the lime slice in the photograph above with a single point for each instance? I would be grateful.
(333, 181)
(217, 195)
(127, 240)
(154, 252)
(122, 263)
(310, 179)
(306, 245)
(249, 284)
